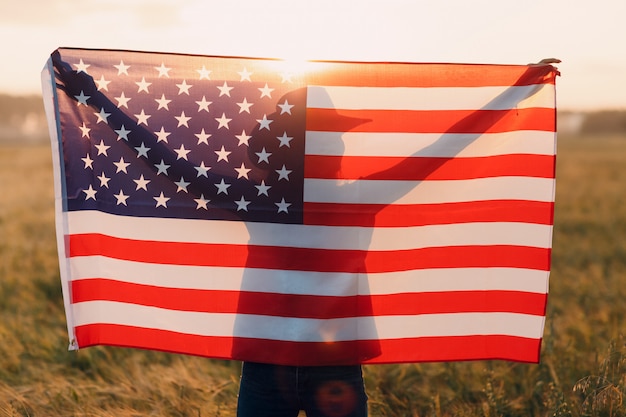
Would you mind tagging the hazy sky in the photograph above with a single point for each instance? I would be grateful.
(588, 36)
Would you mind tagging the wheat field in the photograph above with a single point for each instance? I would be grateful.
(582, 371)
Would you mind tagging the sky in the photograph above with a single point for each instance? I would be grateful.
(588, 36)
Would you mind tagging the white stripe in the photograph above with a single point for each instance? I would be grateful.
(431, 98)
(310, 283)
(458, 279)
(488, 233)
(158, 229)
(51, 106)
(323, 237)
(428, 192)
(430, 144)
(309, 330)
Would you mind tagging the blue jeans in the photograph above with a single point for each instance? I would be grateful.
(282, 391)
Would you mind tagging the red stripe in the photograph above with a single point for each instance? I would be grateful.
(429, 75)
(308, 306)
(395, 215)
(426, 349)
(182, 299)
(430, 121)
(155, 339)
(427, 168)
(307, 259)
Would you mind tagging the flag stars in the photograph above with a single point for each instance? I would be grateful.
(245, 75)
(161, 200)
(163, 70)
(182, 119)
(244, 106)
(82, 67)
(82, 98)
(283, 206)
(162, 168)
(142, 183)
(201, 202)
(182, 152)
(202, 170)
(84, 131)
(121, 198)
(283, 173)
(285, 107)
(143, 85)
(264, 123)
(162, 135)
(104, 180)
(242, 171)
(121, 165)
(263, 188)
(183, 88)
(142, 118)
(222, 187)
(88, 161)
(204, 73)
(266, 91)
(102, 116)
(222, 154)
(90, 193)
(224, 89)
(242, 204)
(203, 137)
(142, 150)
(286, 77)
(284, 140)
(263, 156)
(223, 121)
(121, 68)
(182, 185)
(163, 102)
(243, 138)
(203, 104)
(102, 148)
(122, 133)
(203, 96)
(122, 100)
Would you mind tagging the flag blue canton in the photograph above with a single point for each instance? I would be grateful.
(222, 142)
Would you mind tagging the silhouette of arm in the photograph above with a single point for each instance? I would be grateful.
(72, 83)
(485, 117)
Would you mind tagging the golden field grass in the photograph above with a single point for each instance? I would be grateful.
(582, 371)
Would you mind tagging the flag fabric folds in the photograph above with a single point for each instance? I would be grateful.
(303, 213)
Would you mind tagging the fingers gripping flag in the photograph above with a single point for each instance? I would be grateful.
(312, 214)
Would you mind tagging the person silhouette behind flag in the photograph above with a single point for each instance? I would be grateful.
(272, 390)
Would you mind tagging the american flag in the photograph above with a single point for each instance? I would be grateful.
(311, 213)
